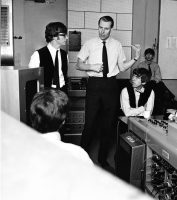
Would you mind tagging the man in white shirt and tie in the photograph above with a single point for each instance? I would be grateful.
(102, 58)
(137, 98)
(52, 57)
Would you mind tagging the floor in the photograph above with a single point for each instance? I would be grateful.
(94, 150)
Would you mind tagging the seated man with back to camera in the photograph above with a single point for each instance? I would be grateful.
(137, 98)
(48, 112)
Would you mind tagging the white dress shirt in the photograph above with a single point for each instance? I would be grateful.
(91, 53)
(75, 150)
(138, 111)
(35, 62)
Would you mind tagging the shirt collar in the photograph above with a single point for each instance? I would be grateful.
(140, 91)
(51, 48)
(101, 41)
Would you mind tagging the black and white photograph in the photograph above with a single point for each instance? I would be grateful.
(88, 100)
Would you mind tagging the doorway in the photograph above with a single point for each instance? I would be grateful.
(146, 17)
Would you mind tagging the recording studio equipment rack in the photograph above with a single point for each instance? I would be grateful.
(159, 166)
(74, 125)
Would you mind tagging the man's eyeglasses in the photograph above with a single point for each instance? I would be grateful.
(62, 34)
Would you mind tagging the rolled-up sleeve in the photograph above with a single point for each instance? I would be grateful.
(84, 52)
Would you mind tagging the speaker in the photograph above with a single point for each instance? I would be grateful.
(131, 154)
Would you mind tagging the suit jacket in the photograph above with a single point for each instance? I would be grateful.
(47, 63)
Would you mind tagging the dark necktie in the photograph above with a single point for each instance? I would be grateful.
(149, 69)
(105, 60)
(56, 75)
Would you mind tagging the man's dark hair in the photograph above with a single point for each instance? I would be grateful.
(149, 51)
(107, 19)
(48, 110)
(143, 73)
(53, 29)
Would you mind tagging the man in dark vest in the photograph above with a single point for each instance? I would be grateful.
(164, 97)
(52, 57)
(137, 98)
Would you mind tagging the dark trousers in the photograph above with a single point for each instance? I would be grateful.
(64, 89)
(100, 114)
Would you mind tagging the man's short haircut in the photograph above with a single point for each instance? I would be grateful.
(53, 29)
(107, 19)
(149, 51)
(48, 110)
(143, 73)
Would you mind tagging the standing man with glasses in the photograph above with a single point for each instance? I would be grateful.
(52, 57)
(102, 58)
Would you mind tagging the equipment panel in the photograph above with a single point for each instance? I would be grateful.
(160, 165)
(161, 178)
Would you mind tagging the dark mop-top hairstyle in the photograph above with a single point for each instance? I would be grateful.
(149, 51)
(53, 29)
(143, 73)
(48, 110)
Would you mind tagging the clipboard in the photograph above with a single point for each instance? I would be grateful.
(74, 40)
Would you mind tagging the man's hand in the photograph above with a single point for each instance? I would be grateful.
(97, 67)
(137, 49)
(172, 111)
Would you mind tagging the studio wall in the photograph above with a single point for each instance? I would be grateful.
(83, 16)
